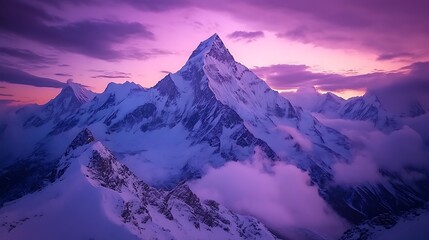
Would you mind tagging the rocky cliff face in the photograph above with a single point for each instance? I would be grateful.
(143, 211)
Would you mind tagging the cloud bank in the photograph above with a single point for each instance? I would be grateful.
(279, 195)
(401, 152)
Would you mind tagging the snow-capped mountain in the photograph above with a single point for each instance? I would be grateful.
(329, 104)
(362, 108)
(213, 110)
(69, 100)
(95, 196)
(369, 108)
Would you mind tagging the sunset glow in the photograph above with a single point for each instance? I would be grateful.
(142, 41)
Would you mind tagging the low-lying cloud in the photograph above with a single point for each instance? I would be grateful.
(280, 195)
(402, 152)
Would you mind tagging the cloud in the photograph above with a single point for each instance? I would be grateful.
(402, 91)
(111, 76)
(419, 124)
(298, 137)
(93, 38)
(285, 76)
(279, 195)
(108, 74)
(402, 152)
(247, 36)
(390, 56)
(396, 89)
(146, 54)
(157, 6)
(63, 75)
(26, 55)
(7, 102)
(5, 95)
(16, 76)
(361, 171)
(373, 25)
(61, 4)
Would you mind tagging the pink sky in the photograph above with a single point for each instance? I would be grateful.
(96, 42)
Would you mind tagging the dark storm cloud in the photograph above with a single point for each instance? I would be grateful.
(26, 55)
(16, 76)
(93, 38)
(247, 36)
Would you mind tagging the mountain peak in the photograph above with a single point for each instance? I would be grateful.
(214, 47)
(79, 91)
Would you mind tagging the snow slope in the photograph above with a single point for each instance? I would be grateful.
(96, 197)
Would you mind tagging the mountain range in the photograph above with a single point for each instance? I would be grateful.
(123, 157)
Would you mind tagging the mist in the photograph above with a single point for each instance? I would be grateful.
(278, 194)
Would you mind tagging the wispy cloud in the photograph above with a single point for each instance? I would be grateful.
(284, 76)
(246, 36)
(26, 55)
(110, 74)
(397, 55)
(11, 75)
(63, 74)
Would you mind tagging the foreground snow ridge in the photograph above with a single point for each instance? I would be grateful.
(96, 197)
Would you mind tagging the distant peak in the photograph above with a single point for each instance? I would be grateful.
(371, 97)
(80, 91)
(126, 86)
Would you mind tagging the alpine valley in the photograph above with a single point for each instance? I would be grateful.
(124, 159)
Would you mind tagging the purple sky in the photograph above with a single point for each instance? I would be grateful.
(336, 45)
